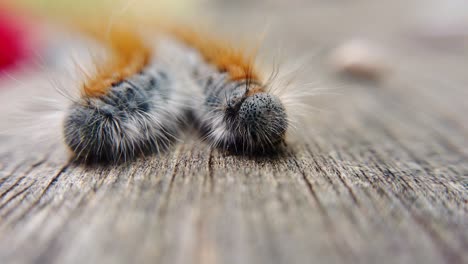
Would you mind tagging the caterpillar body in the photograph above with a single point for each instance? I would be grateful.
(234, 109)
(137, 103)
(134, 106)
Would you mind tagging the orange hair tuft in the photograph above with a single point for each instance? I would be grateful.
(236, 62)
(129, 54)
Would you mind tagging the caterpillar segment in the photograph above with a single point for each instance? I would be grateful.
(135, 105)
(235, 110)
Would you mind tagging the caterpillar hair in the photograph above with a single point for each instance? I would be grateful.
(235, 110)
(134, 105)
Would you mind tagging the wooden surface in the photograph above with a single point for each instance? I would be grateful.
(381, 176)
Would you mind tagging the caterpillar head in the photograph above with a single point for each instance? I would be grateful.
(260, 123)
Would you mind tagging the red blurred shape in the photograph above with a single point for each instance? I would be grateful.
(13, 40)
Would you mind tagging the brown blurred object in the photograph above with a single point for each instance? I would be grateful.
(360, 58)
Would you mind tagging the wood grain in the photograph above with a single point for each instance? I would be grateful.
(381, 176)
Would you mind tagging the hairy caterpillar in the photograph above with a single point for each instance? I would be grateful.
(235, 110)
(136, 103)
(133, 106)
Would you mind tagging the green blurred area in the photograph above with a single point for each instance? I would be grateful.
(95, 8)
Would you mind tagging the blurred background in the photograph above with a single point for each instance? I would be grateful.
(298, 26)
(408, 28)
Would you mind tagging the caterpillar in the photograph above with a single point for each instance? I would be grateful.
(235, 110)
(134, 105)
(139, 101)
